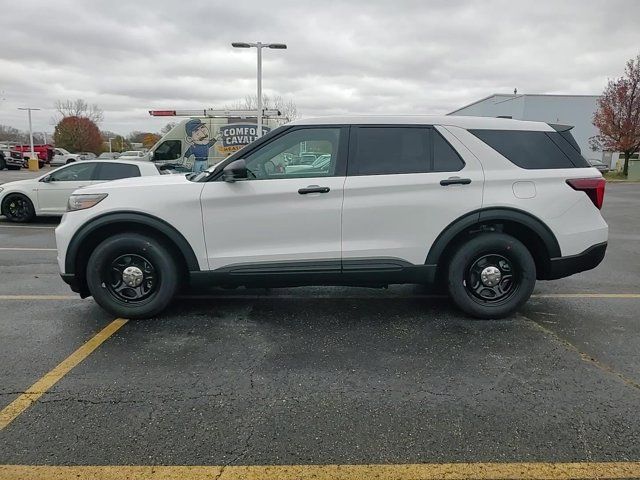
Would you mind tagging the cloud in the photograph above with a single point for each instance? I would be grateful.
(360, 56)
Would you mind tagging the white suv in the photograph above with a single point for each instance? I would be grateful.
(484, 206)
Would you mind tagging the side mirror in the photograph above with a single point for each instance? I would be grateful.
(46, 179)
(236, 170)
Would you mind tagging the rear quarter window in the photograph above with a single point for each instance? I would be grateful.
(116, 171)
(533, 150)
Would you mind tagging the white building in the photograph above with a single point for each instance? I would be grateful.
(576, 110)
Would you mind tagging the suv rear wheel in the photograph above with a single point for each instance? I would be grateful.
(491, 276)
(132, 275)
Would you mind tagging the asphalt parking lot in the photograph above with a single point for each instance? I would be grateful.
(322, 382)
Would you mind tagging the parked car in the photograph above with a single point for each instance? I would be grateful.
(44, 153)
(132, 155)
(87, 156)
(108, 155)
(483, 206)
(47, 195)
(63, 157)
(602, 167)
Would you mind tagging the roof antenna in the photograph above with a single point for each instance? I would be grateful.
(515, 91)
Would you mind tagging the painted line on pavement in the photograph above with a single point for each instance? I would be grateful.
(327, 296)
(26, 249)
(33, 393)
(426, 471)
(40, 297)
(32, 227)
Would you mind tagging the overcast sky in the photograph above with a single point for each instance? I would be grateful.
(358, 56)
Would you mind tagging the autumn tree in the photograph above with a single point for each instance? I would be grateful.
(618, 114)
(78, 108)
(78, 134)
(150, 139)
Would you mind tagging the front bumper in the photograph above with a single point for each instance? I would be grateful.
(564, 266)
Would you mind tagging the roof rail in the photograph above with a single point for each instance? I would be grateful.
(209, 112)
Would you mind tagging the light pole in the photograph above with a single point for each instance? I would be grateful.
(259, 46)
(110, 138)
(30, 129)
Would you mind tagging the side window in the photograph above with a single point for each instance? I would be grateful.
(445, 158)
(76, 172)
(529, 149)
(307, 152)
(115, 171)
(168, 150)
(390, 150)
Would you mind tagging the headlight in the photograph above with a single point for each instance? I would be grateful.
(82, 201)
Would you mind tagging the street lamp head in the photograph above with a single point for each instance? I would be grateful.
(279, 46)
(240, 45)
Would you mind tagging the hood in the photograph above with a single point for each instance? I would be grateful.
(140, 182)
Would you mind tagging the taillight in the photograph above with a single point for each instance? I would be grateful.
(593, 187)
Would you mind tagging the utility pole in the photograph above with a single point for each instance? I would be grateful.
(259, 46)
(29, 110)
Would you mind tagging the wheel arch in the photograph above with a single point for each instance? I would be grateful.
(87, 238)
(527, 228)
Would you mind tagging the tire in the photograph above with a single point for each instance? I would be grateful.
(12, 167)
(491, 276)
(3, 164)
(149, 258)
(71, 160)
(17, 207)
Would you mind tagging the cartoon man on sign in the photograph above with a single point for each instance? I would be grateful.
(198, 136)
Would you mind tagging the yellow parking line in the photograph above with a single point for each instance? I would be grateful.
(20, 404)
(587, 295)
(427, 471)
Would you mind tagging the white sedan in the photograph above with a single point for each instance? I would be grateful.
(47, 195)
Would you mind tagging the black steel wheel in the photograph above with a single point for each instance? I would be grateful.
(17, 208)
(132, 275)
(491, 275)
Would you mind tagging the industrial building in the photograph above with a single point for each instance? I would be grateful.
(576, 110)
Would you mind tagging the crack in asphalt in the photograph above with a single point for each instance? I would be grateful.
(585, 357)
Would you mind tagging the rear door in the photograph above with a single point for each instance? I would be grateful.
(404, 185)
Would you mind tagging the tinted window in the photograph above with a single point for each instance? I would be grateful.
(445, 158)
(168, 150)
(528, 149)
(390, 150)
(78, 172)
(307, 152)
(115, 171)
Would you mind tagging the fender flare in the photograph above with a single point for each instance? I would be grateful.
(143, 219)
(492, 214)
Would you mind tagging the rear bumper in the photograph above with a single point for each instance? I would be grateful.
(565, 266)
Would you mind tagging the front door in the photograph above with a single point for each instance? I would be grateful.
(54, 193)
(286, 215)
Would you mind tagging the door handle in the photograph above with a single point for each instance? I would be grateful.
(455, 181)
(313, 189)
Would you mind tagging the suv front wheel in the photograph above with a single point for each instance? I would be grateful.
(132, 275)
(491, 275)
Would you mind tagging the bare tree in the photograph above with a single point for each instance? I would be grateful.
(12, 134)
(287, 108)
(78, 108)
(167, 128)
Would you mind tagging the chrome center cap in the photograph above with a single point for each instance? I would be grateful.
(132, 276)
(490, 276)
